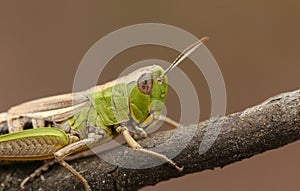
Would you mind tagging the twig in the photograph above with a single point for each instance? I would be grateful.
(269, 125)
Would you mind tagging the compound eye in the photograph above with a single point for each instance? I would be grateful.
(145, 83)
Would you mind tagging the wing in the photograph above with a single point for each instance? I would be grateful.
(56, 108)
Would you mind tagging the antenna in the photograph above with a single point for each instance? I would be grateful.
(184, 54)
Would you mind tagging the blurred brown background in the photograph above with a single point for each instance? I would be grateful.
(256, 44)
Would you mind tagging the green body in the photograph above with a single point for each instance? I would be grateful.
(120, 103)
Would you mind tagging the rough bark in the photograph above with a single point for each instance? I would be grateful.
(269, 125)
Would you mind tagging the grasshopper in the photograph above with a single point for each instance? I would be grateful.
(58, 126)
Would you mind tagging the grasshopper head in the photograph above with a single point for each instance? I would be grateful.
(150, 91)
(148, 95)
(151, 83)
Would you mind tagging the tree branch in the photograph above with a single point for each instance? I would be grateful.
(269, 125)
